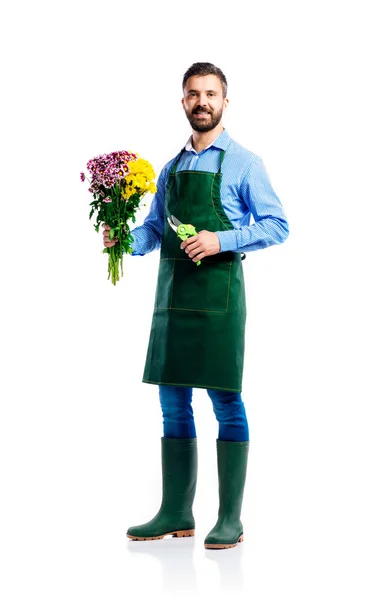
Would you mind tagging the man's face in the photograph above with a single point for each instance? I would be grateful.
(203, 102)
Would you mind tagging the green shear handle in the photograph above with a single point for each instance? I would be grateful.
(183, 231)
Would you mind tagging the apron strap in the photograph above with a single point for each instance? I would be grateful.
(221, 158)
(174, 167)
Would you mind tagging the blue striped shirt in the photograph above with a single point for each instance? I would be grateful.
(245, 191)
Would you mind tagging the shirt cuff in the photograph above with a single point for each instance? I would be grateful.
(133, 246)
(135, 249)
(227, 240)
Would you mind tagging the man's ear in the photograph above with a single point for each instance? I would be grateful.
(182, 102)
(226, 101)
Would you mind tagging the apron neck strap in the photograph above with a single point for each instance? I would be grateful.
(174, 167)
(221, 158)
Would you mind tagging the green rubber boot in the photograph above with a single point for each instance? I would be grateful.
(179, 474)
(232, 458)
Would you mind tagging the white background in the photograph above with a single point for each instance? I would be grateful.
(79, 432)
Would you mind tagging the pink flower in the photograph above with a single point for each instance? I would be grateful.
(83, 177)
(107, 199)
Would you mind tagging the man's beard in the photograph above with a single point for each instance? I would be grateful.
(207, 125)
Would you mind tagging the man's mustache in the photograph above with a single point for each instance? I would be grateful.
(199, 109)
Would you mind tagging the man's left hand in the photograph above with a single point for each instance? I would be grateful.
(205, 243)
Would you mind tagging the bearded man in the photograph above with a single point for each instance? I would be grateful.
(198, 326)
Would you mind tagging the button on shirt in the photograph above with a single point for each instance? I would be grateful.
(245, 191)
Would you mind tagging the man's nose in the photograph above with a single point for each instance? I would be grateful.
(202, 100)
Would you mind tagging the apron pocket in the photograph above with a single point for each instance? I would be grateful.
(204, 288)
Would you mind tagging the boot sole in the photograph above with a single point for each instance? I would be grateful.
(179, 534)
(222, 546)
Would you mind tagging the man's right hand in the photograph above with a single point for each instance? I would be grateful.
(107, 242)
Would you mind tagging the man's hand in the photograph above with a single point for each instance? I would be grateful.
(201, 245)
(107, 242)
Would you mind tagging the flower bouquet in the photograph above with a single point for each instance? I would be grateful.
(118, 183)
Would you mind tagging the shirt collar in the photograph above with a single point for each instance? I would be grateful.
(221, 142)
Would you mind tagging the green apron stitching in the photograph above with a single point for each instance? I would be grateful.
(223, 312)
(206, 260)
(195, 172)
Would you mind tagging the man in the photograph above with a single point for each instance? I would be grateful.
(197, 334)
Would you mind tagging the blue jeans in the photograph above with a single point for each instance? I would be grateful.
(178, 419)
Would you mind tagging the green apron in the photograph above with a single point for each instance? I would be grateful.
(198, 326)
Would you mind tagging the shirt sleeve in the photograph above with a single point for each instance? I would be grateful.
(147, 237)
(270, 226)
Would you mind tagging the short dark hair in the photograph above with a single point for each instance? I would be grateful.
(205, 68)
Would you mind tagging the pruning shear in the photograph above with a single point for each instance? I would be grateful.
(183, 231)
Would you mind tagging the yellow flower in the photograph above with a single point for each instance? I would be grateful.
(140, 181)
(130, 179)
(142, 166)
(139, 178)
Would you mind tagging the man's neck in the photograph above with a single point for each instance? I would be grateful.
(201, 140)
